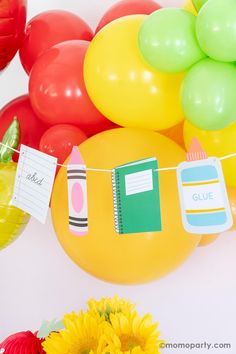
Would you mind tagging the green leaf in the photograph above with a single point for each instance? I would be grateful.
(11, 139)
(49, 326)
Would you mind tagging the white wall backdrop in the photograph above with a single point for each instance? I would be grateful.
(38, 281)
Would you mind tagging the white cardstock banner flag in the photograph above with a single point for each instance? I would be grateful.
(203, 197)
(77, 194)
(34, 182)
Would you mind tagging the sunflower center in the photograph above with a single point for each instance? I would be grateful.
(85, 348)
(129, 342)
(85, 351)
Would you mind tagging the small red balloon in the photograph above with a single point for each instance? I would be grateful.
(48, 29)
(12, 25)
(22, 342)
(126, 8)
(57, 89)
(31, 128)
(59, 140)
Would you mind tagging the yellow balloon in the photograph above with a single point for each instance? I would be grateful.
(216, 143)
(126, 259)
(188, 5)
(209, 239)
(12, 220)
(123, 86)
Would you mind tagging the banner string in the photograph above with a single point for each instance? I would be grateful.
(104, 170)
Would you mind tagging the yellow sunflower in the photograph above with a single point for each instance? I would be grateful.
(83, 334)
(107, 306)
(132, 335)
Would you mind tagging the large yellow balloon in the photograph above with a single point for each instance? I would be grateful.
(123, 86)
(217, 143)
(208, 240)
(188, 5)
(126, 259)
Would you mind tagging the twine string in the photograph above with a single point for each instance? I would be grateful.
(109, 171)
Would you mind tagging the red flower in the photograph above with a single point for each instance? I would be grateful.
(23, 343)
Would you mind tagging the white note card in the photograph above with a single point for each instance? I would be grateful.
(139, 182)
(34, 182)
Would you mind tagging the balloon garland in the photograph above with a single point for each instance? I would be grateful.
(147, 68)
(162, 77)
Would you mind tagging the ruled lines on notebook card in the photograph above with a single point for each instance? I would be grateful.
(34, 182)
(77, 194)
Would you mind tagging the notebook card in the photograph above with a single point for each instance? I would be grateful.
(136, 197)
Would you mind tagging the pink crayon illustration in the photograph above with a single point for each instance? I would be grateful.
(77, 194)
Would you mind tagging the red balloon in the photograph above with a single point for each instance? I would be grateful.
(57, 89)
(31, 128)
(59, 140)
(48, 29)
(93, 130)
(12, 25)
(99, 127)
(126, 8)
(22, 342)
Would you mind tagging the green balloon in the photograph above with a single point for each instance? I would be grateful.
(168, 42)
(216, 29)
(208, 95)
(198, 4)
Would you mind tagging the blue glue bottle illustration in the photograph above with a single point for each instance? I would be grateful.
(203, 196)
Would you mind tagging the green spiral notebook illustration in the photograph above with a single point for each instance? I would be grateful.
(136, 197)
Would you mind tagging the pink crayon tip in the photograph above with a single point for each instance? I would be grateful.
(196, 152)
(79, 233)
(76, 157)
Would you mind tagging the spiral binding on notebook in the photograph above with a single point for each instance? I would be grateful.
(117, 201)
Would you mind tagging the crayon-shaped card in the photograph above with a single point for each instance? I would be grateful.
(203, 197)
(77, 194)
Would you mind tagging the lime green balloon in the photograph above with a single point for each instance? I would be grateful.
(208, 95)
(168, 42)
(216, 29)
(198, 4)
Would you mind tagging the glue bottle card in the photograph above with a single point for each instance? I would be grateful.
(204, 202)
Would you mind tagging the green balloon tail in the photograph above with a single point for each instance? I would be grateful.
(11, 139)
(198, 4)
